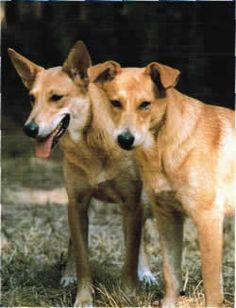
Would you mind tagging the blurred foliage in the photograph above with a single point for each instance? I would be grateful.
(197, 38)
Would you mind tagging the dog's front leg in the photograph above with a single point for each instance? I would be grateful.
(79, 197)
(132, 223)
(144, 273)
(78, 222)
(69, 275)
(170, 227)
(210, 235)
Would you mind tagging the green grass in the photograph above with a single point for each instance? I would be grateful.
(35, 238)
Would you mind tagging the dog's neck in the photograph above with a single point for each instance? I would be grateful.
(180, 110)
(171, 133)
(86, 127)
(170, 127)
(102, 127)
(80, 118)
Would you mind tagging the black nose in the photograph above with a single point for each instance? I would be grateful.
(31, 129)
(125, 140)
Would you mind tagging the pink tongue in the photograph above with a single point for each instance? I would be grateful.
(43, 147)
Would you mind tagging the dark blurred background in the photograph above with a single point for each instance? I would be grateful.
(196, 38)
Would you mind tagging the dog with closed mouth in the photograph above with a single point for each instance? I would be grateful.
(185, 150)
(94, 166)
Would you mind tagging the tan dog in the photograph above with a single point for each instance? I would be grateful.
(186, 153)
(93, 164)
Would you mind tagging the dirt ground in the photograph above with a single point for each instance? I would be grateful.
(35, 237)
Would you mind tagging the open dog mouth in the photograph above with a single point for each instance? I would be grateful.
(44, 146)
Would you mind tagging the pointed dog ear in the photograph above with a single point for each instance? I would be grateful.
(164, 76)
(104, 72)
(78, 61)
(26, 69)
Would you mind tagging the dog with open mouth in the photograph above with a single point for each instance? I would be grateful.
(94, 166)
(185, 150)
(44, 145)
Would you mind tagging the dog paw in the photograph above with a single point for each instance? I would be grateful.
(147, 278)
(83, 304)
(68, 280)
(168, 302)
(84, 299)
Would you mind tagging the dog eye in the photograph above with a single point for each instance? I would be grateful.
(116, 104)
(144, 105)
(32, 99)
(56, 97)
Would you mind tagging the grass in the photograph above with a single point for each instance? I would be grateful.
(35, 236)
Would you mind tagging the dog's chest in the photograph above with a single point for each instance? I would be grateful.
(150, 165)
(98, 170)
(104, 167)
(157, 184)
(167, 200)
(99, 175)
(161, 192)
